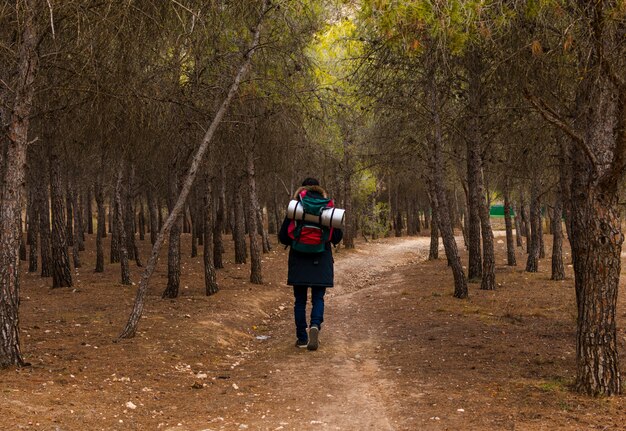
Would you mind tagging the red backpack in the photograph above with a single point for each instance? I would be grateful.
(309, 237)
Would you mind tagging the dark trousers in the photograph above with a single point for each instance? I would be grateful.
(299, 309)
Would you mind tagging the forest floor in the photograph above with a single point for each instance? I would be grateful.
(397, 351)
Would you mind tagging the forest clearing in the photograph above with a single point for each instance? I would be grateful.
(398, 349)
(156, 156)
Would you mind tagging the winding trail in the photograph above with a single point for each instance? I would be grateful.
(340, 386)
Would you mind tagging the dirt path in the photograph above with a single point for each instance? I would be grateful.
(340, 386)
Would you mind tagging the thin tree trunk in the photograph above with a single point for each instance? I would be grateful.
(78, 218)
(142, 221)
(77, 230)
(220, 218)
(69, 215)
(33, 229)
(194, 233)
(558, 270)
(488, 281)
(88, 212)
(173, 250)
(131, 326)
(256, 271)
(152, 213)
(265, 240)
(518, 228)
(210, 277)
(22, 240)
(510, 246)
(61, 272)
(433, 253)
(542, 246)
(534, 243)
(239, 229)
(44, 226)
(120, 231)
(102, 231)
(437, 184)
(349, 228)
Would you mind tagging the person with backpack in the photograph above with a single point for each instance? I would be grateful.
(310, 261)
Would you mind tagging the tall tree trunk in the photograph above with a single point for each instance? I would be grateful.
(433, 252)
(142, 221)
(173, 251)
(22, 240)
(542, 245)
(12, 189)
(265, 239)
(194, 232)
(120, 232)
(210, 277)
(115, 235)
(33, 229)
(558, 270)
(256, 270)
(438, 190)
(61, 271)
(131, 326)
(129, 219)
(154, 218)
(526, 223)
(78, 218)
(88, 212)
(44, 225)
(488, 281)
(349, 228)
(101, 233)
(510, 246)
(534, 242)
(220, 219)
(239, 229)
(69, 215)
(77, 232)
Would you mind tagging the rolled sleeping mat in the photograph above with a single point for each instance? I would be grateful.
(330, 217)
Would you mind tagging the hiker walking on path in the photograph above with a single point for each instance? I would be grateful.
(310, 261)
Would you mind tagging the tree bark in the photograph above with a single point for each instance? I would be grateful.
(61, 271)
(348, 231)
(438, 190)
(210, 277)
(239, 229)
(220, 219)
(518, 228)
(77, 232)
(173, 250)
(102, 230)
(256, 270)
(119, 229)
(558, 270)
(12, 190)
(88, 212)
(133, 320)
(69, 215)
(154, 218)
(534, 242)
(433, 253)
(44, 226)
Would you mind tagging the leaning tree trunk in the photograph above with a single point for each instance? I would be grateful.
(438, 190)
(534, 242)
(256, 274)
(131, 326)
(210, 277)
(119, 229)
(510, 246)
(102, 230)
(12, 190)
(433, 253)
(61, 271)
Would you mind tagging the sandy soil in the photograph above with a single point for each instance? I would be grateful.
(397, 352)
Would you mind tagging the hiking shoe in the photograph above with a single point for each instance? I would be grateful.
(302, 343)
(314, 333)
